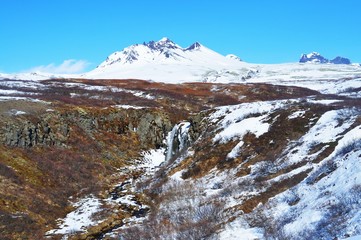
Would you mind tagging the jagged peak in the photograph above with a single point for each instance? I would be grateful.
(161, 44)
(313, 54)
(314, 57)
(194, 46)
(162, 50)
(165, 40)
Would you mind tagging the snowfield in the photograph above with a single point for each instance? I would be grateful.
(172, 64)
(165, 61)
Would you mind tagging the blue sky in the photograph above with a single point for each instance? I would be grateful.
(77, 35)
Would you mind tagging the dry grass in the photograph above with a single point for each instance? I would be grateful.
(250, 204)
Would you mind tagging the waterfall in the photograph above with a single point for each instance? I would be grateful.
(179, 136)
(170, 140)
(183, 135)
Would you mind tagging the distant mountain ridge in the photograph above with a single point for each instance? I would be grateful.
(166, 61)
(315, 57)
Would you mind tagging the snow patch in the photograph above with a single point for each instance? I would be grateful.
(237, 130)
(177, 176)
(80, 218)
(124, 106)
(153, 158)
(16, 112)
(235, 121)
(324, 102)
(239, 229)
(296, 114)
(235, 151)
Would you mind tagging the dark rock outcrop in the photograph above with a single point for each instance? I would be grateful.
(194, 46)
(198, 125)
(27, 134)
(340, 60)
(153, 128)
(54, 129)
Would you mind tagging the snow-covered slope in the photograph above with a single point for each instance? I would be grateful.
(308, 190)
(326, 78)
(35, 76)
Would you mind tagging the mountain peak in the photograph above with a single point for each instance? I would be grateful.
(194, 46)
(165, 40)
(315, 57)
(313, 54)
(340, 60)
(161, 44)
(154, 54)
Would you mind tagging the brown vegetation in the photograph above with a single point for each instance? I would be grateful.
(91, 138)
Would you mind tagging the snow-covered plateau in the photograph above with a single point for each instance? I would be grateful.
(166, 61)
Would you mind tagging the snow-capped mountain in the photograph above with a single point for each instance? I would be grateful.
(315, 57)
(166, 51)
(164, 60)
(146, 52)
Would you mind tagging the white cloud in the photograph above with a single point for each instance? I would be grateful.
(67, 67)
